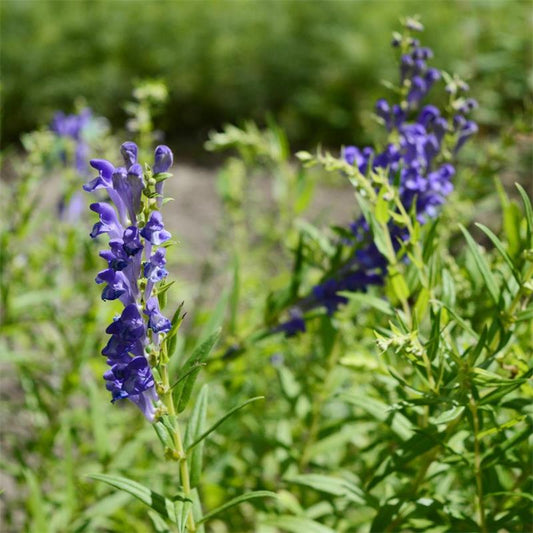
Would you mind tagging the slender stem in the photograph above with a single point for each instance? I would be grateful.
(477, 466)
(178, 443)
(316, 408)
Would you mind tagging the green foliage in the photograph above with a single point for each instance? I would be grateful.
(315, 65)
(409, 410)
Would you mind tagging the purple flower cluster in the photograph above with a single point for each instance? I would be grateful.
(72, 126)
(134, 231)
(414, 157)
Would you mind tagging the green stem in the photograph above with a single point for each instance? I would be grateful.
(178, 443)
(477, 466)
(316, 407)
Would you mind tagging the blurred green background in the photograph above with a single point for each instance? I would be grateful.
(314, 65)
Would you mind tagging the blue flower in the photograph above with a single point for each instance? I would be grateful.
(129, 152)
(154, 270)
(293, 326)
(163, 159)
(156, 321)
(73, 126)
(130, 375)
(154, 231)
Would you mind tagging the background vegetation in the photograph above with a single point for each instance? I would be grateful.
(350, 435)
(316, 65)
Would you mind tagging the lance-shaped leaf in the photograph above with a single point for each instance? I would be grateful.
(501, 248)
(195, 427)
(199, 438)
(296, 524)
(529, 212)
(237, 501)
(183, 390)
(161, 505)
(482, 265)
(330, 485)
(381, 411)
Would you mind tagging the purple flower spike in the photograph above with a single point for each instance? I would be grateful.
(130, 376)
(413, 161)
(154, 231)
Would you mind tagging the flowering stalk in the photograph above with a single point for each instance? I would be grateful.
(138, 351)
(413, 171)
(136, 232)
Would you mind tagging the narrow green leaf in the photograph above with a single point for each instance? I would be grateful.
(317, 236)
(505, 425)
(511, 220)
(159, 524)
(459, 320)
(98, 421)
(526, 314)
(296, 524)
(495, 396)
(195, 426)
(482, 265)
(183, 389)
(398, 284)
(187, 374)
(382, 207)
(152, 499)
(163, 434)
(171, 337)
(216, 319)
(384, 517)
(36, 503)
(498, 454)
(221, 420)
(296, 277)
(381, 411)
(481, 343)
(237, 501)
(196, 510)
(489, 379)
(448, 416)
(381, 305)
(420, 443)
(289, 385)
(529, 211)
(329, 485)
(182, 510)
(501, 248)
